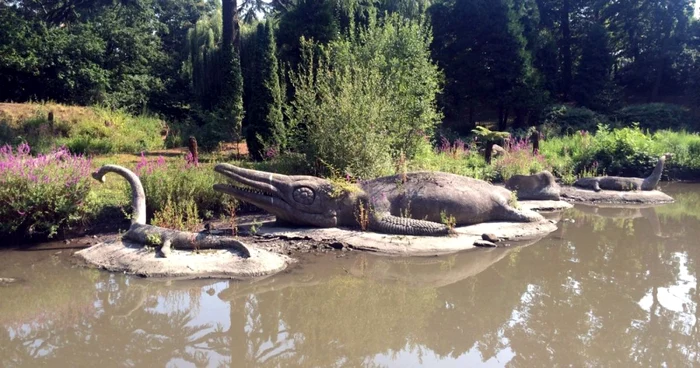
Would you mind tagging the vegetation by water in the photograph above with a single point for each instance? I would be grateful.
(348, 89)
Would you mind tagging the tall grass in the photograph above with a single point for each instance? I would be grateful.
(87, 130)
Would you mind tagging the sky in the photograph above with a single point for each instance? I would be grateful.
(697, 8)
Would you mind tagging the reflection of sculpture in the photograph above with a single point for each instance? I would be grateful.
(540, 186)
(625, 184)
(626, 212)
(379, 203)
(141, 233)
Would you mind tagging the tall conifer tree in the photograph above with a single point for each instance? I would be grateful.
(266, 125)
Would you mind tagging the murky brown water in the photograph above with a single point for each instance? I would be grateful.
(610, 288)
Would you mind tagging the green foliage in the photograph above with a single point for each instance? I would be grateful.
(593, 86)
(179, 215)
(217, 81)
(311, 19)
(42, 195)
(562, 119)
(94, 130)
(365, 98)
(625, 151)
(175, 189)
(456, 160)
(656, 116)
(490, 136)
(265, 121)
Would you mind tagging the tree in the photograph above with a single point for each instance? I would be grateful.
(593, 85)
(481, 47)
(265, 122)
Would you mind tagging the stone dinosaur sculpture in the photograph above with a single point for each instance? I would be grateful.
(541, 186)
(142, 233)
(619, 183)
(418, 203)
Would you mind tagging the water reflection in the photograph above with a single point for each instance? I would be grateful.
(613, 286)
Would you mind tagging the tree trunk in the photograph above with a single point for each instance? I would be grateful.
(503, 125)
(657, 83)
(521, 115)
(230, 28)
(566, 50)
(487, 152)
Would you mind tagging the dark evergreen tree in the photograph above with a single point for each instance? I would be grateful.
(265, 122)
(593, 86)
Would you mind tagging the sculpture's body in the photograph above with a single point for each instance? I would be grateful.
(540, 186)
(619, 183)
(422, 203)
(142, 233)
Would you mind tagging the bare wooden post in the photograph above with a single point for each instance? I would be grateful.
(535, 138)
(192, 146)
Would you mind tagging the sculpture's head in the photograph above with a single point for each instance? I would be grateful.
(304, 200)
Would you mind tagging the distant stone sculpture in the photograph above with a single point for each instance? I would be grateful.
(421, 203)
(541, 186)
(618, 183)
(142, 233)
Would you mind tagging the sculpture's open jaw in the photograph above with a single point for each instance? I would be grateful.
(253, 186)
(296, 199)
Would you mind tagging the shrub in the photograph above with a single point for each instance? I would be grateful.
(364, 99)
(181, 182)
(178, 215)
(655, 116)
(562, 119)
(455, 157)
(519, 160)
(41, 195)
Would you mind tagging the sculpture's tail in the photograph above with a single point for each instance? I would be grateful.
(138, 197)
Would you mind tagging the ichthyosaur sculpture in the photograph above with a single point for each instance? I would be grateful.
(619, 183)
(420, 203)
(142, 233)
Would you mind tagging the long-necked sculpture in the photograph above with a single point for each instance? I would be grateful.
(421, 203)
(619, 183)
(142, 233)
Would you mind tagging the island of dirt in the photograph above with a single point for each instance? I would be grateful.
(273, 248)
(574, 194)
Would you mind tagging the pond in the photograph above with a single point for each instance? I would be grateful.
(611, 286)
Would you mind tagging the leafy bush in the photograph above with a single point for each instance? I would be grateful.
(455, 157)
(519, 160)
(178, 215)
(41, 195)
(366, 98)
(181, 182)
(626, 151)
(562, 119)
(655, 116)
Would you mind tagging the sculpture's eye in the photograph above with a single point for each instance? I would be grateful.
(304, 195)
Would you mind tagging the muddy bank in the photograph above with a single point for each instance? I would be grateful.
(573, 194)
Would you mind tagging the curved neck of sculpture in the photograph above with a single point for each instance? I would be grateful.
(652, 180)
(138, 197)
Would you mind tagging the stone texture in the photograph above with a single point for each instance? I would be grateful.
(131, 258)
(575, 194)
(404, 245)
